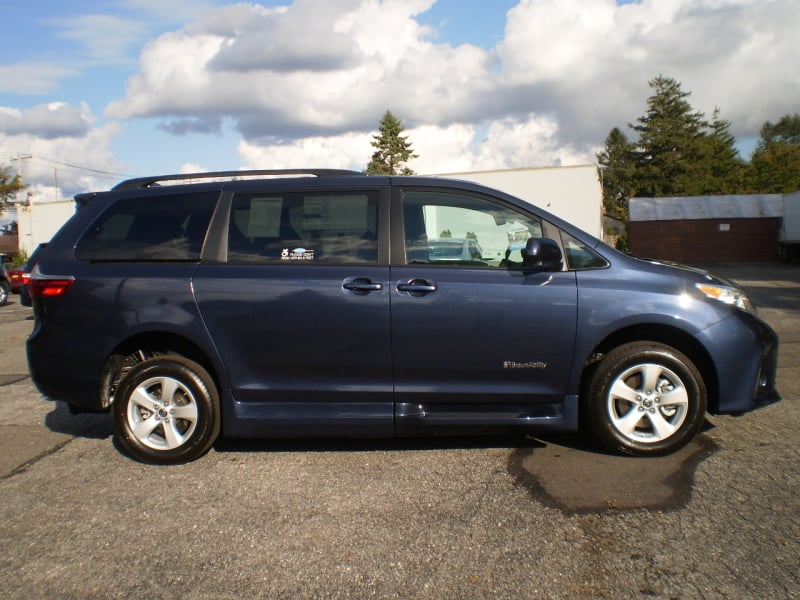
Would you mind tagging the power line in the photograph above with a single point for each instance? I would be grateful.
(72, 167)
(80, 168)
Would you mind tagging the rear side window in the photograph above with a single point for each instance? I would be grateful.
(308, 228)
(148, 229)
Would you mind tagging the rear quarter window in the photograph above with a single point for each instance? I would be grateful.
(147, 229)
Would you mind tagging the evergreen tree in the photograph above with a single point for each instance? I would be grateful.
(679, 153)
(392, 150)
(720, 170)
(776, 159)
(786, 131)
(618, 165)
(670, 146)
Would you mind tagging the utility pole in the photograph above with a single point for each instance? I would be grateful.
(20, 158)
(26, 204)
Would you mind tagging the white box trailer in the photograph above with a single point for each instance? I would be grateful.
(789, 237)
(573, 193)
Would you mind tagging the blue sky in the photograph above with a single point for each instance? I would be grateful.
(97, 91)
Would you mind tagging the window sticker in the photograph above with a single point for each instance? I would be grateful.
(297, 254)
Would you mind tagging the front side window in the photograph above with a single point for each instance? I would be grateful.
(304, 228)
(445, 228)
(154, 228)
(579, 256)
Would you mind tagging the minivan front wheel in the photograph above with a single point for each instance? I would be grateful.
(166, 411)
(646, 399)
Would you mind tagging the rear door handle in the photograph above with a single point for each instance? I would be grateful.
(416, 286)
(361, 284)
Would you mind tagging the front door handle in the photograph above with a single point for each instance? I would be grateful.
(416, 286)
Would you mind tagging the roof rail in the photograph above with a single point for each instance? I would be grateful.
(145, 182)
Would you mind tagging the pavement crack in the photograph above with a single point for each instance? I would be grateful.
(9, 379)
(29, 463)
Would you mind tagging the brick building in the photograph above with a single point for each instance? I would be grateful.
(706, 229)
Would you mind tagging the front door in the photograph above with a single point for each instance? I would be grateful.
(477, 336)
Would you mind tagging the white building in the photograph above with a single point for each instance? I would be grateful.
(38, 222)
(573, 193)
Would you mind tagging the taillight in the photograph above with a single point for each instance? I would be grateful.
(25, 277)
(41, 285)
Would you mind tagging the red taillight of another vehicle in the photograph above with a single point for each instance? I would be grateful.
(41, 285)
(25, 277)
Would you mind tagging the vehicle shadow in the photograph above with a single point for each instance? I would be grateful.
(455, 442)
(88, 425)
(567, 471)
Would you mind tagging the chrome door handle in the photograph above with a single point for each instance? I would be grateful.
(417, 286)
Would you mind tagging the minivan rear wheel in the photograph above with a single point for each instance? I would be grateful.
(166, 411)
(646, 399)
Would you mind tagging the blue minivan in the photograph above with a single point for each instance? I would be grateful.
(310, 303)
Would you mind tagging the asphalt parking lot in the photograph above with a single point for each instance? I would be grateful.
(551, 517)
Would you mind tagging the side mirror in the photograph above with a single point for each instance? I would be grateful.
(543, 254)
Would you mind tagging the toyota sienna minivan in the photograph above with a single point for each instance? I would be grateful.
(317, 303)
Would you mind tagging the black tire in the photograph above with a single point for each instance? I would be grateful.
(171, 430)
(655, 383)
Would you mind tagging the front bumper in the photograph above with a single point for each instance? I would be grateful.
(744, 351)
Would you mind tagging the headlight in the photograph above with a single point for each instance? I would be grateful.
(728, 295)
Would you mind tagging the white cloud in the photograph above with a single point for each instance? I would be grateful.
(174, 79)
(508, 143)
(280, 72)
(270, 39)
(47, 121)
(59, 166)
(588, 61)
(305, 84)
(531, 141)
(108, 38)
(447, 149)
(172, 11)
(192, 168)
(346, 151)
(32, 77)
(301, 79)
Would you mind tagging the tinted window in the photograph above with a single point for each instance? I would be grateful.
(152, 228)
(443, 228)
(304, 228)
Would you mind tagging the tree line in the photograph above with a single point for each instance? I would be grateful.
(678, 152)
